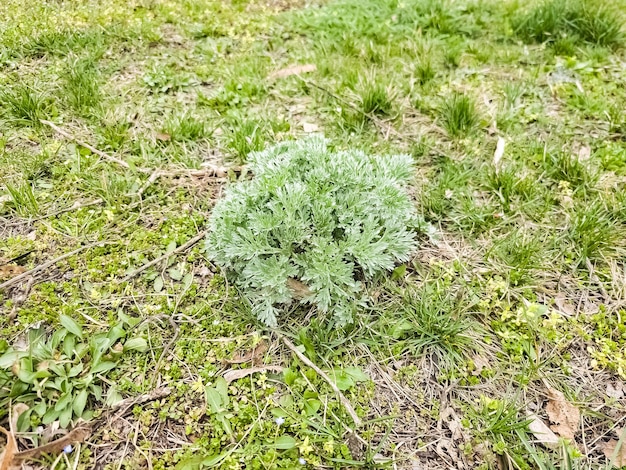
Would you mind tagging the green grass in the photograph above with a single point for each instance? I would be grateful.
(591, 21)
(459, 115)
(518, 282)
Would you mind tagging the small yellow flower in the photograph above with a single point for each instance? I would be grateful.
(305, 448)
(329, 446)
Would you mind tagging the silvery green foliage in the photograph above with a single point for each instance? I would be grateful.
(324, 218)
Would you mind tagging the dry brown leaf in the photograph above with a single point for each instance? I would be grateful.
(15, 415)
(609, 450)
(254, 355)
(300, 289)
(563, 306)
(10, 270)
(616, 391)
(293, 70)
(309, 127)
(584, 153)
(7, 457)
(498, 154)
(564, 416)
(237, 374)
(542, 432)
(78, 434)
(163, 137)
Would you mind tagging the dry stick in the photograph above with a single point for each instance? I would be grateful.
(46, 265)
(155, 174)
(91, 148)
(181, 248)
(344, 401)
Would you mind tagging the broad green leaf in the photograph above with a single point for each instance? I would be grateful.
(136, 344)
(290, 376)
(69, 343)
(64, 401)
(342, 380)
(10, 357)
(398, 272)
(311, 406)
(187, 280)
(103, 367)
(284, 443)
(357, 374)
(75, 370)
(80, 401)
(71, 325)
(113, 397)
(213, 399)
(65, 417)
(39, 408)
(170, 247)
(222, 387)
(158, 284)
(50, 416)
(175, 274)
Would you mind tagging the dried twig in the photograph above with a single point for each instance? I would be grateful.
(126, 403)
(180, 249)
(46, 265)
(89, 147)
(77, 205)
(344, 401)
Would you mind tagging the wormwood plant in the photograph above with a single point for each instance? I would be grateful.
(312, 226)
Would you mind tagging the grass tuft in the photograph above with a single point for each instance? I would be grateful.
(582, 20)
(431, 320)
(82, 85)
(26, 105)
(375, 99)
(459, 115)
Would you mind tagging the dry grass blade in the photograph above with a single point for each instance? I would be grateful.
(293, 70)
(236, 374)
(344, 401)
(180, 249)
(46, 265)
(89, 147)
(254, 355)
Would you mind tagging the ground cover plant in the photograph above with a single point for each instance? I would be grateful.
(127, 341)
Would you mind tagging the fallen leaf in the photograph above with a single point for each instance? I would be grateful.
(480, 363)
(10, 270)
(542, 432)
(498, 154)
(237, 374)
(452, 421)
(616, 391)
(616, 456)
(564, 307)
(254, 355)
(78, 434)
(7, 457)
(293, 70)
(564, 416)
(584, 153)
(15, 415)
(163, 137)
(300, 289)
(309, 127)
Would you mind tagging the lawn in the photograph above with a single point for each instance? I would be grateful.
(500, 344)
